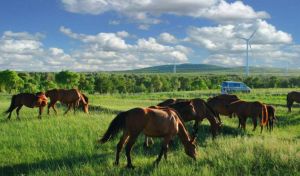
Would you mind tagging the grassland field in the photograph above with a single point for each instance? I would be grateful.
(66, 145)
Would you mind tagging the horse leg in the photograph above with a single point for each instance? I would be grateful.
(131, 141)
(74, 107)
(120, 145)
(69, 107)
(18, 109)
(163, 150)
(243, 122)
(49, 106)
(254, 120)
(54, 108)
(195, 128)
(9, 115)
(41, 108)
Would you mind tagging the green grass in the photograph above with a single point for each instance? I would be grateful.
(66, 145)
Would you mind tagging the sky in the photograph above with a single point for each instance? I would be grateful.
(105, 35)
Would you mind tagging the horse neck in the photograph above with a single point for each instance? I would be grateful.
(183, 134)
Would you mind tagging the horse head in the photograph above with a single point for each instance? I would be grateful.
(190, 148)
(41, 99)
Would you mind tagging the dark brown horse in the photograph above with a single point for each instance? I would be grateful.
(291, 98)
(255, 110)
(152, 122)
(196, 109)
(29, 100)
(70, 97)
(219, 104)
(271, 117)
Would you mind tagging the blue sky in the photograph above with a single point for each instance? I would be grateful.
(93, 35)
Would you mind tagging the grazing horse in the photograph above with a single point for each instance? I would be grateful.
(255, 110)
(70, 97)
(195, 109)
(291, 97)
(152, 122)
(202, 110)
(29, 100)
(219, 104)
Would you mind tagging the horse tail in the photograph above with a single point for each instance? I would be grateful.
(115, 126)
(12, 104)
(264, 119)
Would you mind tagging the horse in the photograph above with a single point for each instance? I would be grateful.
(271, 117)
(29, 100)
(290, 98)
(194, 109)
(219, 104)
(163, 123)
(254, 110)
(70, 97)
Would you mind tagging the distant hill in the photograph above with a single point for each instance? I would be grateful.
(182, 68)
(206, 68)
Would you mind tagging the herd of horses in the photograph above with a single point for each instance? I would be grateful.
(71, 98)
(165, 120)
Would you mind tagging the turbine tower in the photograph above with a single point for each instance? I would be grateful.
(247, 51)
(174, 66)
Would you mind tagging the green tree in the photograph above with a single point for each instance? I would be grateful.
(87, 83)
(67, 79)
(10, 81)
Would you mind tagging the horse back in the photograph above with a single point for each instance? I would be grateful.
(294, 96)
(26, 99)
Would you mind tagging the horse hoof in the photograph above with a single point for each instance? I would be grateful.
(155, 163)
(130, 167)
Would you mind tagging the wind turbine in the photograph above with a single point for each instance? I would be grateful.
(174, 66)
(247, 50)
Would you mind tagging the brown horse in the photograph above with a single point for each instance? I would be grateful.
(291, 97)
(271, 117)
(255, 110)
(196, 109)
(219, 104)
(29, 100)
(70, 97)
(152, 122)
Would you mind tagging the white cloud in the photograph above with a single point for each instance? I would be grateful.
(107, 41)
(167, 38)
(268, 43)
(94, 55)
(234, 12)
(223, 60)
(147, 12)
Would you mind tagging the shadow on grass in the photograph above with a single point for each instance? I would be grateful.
(26, 168)
(103, 109)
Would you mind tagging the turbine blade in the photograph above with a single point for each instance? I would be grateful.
(242, 38)
(252, 34)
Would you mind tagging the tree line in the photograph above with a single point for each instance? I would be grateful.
(12, 82)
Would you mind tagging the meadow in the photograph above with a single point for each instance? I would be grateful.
(66, 145)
